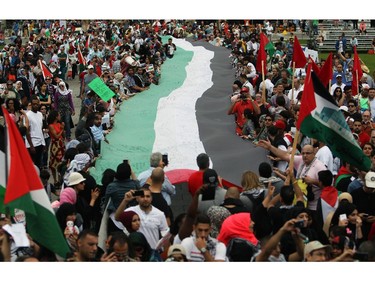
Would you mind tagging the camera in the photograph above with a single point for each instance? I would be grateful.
(242, 96)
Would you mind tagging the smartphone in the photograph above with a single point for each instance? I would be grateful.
(165, 159)
(343, 217)
(209, 192)
(126, 161)
(139, 193)
(299, 224)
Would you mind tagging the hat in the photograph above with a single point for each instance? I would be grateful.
(347, 196)
(90, 67)
(244, 90)
(280, 124)
(75, 178)
(30, 54)
(313, 246)
(370, 180)
(344, 108)
(176, 249)
(338, 75)
(365, 86)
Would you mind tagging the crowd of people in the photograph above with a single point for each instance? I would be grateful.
(323, 210)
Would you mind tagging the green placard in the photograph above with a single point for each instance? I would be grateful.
(99, 87)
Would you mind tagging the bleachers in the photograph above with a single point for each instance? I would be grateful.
(333, 32)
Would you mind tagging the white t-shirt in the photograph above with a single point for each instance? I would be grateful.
(324, 154)
(194, 254)
(36, 128)
(151, 224)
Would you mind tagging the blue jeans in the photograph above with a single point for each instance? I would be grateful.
(66, 119)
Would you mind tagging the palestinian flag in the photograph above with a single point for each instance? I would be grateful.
(320, 118)
(327, 203)
(262, 55)
(2, 169)
(298, 58)
(326, 72)
(81, 58)
(88, 41)
(24, 190)
(357, 73)
(45, 70)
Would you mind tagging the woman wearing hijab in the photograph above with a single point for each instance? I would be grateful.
(142, 248)
(63, 102)
(217, 215)
(131, 221)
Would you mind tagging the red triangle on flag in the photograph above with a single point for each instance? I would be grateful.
(45, 70)
(299, 57)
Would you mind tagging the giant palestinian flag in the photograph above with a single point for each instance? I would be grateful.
(185, 115)
(21, 188)
(320, 118)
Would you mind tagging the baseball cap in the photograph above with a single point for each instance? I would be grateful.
(244, 90)
(365, 86)
(280, 124)
(90, 67)
(338, 75)
(344, 108)
(75, 178)
(370, 180)
(176, 249)
(313, 246)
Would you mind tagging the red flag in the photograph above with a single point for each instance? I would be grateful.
(81, 58)
(326, 71)
(262, 55)
(314, 66)
(357, 73)
(298, 56)
(45, 70)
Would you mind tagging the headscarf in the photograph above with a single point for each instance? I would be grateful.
(63, 91)
(126, 219)
(68, 195)
(217, 215)
(72, 143)
(82, 159)
(237, 226)
(21, 73)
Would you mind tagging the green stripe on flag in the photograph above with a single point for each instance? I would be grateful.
(133, 135)
(337, 142)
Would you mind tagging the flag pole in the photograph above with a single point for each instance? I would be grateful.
(356, 77)
(294, 69)
(7, 211)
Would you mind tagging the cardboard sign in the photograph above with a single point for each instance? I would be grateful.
(99, 87)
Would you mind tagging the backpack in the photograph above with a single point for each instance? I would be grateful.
(240, 250)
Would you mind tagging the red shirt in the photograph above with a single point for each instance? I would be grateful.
(195, 182)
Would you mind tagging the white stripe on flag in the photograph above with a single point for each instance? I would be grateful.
(176, 127)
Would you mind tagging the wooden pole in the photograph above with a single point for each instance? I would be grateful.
(294, 69)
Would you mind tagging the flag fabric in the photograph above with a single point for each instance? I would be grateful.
(357, 73)
(24, 190)
(299, 57)
(45, 70)
(327, 203)
(314, 66)
(270, 48)
(81, 58)
(262, 55)
(321, 119)
(87, 45)
(2, 169)
(326, 71)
